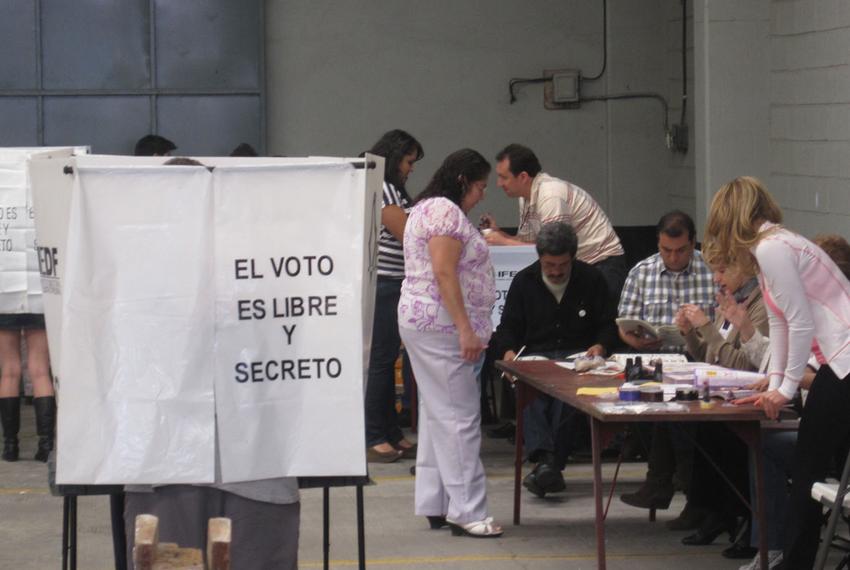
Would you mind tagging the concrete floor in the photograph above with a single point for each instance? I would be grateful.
(556, 532)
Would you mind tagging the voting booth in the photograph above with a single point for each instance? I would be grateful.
(208, 320)
(20, 285)
(507, 262)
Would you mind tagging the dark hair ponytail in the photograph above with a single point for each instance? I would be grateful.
(452, 179)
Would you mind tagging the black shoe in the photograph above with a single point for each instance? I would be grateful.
(741, 547)
(437, 522)
(650, 496)
(739, 551)
(10, 418)
(530, 483)
(545, 478)
(689, 519)
(504, 431)
(45, 426)
(713, 526)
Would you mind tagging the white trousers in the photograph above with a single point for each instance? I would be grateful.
(450, 478)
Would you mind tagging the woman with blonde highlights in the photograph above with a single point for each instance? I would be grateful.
(808, 302)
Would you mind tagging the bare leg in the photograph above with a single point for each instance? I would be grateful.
(38, 365)
(38, 362)
(10, 363)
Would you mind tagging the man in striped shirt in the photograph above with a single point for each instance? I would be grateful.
(543, 199)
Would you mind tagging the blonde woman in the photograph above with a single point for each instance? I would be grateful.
(808, 302)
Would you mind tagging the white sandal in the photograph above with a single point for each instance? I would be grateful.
(478, 529)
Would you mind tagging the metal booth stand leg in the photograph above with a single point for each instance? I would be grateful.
(119, 535)
(326, 531)
(69, 532)
(361, 530)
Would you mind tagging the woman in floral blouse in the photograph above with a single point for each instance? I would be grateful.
(444, 320)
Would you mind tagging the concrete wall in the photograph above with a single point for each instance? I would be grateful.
(773, 79)
(810, 113)
(681, 184)
(732, 63)
(341, 73)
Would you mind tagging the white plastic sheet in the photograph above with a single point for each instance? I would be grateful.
(289, 244)
(137, 336)
(152, 317)
(20, 288)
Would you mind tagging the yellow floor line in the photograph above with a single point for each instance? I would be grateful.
(624, 474)
(24, 491)
(415, 561)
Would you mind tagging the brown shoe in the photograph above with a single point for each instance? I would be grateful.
(375, 456)
(406, 452)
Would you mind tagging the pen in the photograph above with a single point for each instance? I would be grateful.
(516, 356)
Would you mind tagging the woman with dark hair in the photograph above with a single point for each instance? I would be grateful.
(385, 441)
(444, 320)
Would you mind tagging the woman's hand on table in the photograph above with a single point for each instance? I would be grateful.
(771, 402)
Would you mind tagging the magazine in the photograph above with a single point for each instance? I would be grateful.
(669, 334)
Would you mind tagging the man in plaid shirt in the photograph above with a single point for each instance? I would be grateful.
(654, 290)
(657, 286)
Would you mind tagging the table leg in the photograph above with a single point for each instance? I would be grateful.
(761, 510)
(750, 433)
(596, 451)
(521, 394)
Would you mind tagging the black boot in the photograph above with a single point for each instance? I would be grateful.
(45, 425)
(10, 417)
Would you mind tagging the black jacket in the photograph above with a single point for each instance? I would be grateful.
(531, 316)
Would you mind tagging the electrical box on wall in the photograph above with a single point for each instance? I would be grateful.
(565, 87)
(677, 138)
(563, 91)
